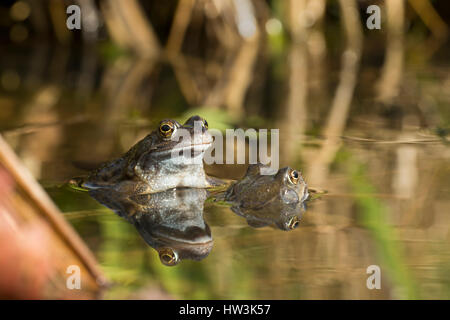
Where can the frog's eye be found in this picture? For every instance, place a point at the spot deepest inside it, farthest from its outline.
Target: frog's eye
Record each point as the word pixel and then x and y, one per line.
pixel 168 257
pixel 205 123
pixel 293 223
pixel 294 176
pixel 166 129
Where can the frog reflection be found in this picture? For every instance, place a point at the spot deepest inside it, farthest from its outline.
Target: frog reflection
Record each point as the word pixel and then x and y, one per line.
pixel 269 199
pixel 169 157
pixel 171 222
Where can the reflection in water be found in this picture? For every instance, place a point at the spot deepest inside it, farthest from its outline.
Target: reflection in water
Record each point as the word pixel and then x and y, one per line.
pixel 171 222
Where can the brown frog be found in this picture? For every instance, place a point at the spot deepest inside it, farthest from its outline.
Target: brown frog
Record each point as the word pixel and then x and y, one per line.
pixel 263 200
pixel 169 157
pixel 171 221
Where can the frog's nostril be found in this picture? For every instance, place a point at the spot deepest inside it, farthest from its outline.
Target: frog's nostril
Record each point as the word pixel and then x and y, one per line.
pixel 305 194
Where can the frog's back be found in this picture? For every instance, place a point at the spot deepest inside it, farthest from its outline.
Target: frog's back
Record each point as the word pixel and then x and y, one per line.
pixel 107 174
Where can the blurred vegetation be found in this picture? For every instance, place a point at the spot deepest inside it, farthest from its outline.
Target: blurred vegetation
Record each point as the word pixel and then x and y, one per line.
pixel 373 215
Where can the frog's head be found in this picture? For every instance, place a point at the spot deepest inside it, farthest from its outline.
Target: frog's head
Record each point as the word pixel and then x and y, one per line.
pixel 255 188
pixel 263 200
pixel 172 155
pixel 172 139
pixel 175 246
pixel 293 188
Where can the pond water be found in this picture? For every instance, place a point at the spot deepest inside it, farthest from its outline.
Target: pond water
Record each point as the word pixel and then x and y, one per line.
pixel 382 170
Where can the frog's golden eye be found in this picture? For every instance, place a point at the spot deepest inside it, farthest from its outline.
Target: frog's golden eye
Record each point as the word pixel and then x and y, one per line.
pixel 166 129
pixel 294 176
pixel 168 257
pixel 205 123
pixel 293 223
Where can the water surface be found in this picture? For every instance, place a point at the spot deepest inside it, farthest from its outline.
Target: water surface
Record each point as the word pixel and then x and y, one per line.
pixel 384 170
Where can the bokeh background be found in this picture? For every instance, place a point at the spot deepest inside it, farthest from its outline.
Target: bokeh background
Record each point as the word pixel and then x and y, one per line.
pixel 364 114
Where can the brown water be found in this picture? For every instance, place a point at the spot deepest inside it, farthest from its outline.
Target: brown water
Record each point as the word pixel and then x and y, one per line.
pixel 384 167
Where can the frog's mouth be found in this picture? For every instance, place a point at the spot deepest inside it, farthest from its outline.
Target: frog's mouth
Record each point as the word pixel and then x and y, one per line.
pixel 179 242
pixel 305 194
pixel 195 248
pixel 192 150
pixel 191 235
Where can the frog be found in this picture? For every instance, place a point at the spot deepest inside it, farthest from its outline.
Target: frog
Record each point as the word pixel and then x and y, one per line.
pixel 170 156
pixel 263 200
pixel 171 221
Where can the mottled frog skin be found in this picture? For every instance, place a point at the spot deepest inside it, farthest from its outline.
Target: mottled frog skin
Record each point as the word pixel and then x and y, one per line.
pixel 169 157
pixel 269 199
